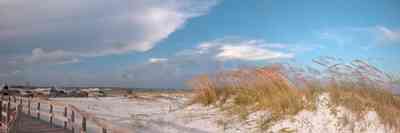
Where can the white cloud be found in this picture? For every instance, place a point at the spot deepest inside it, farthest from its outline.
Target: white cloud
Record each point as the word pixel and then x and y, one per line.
pixel 364 37
pixel 39 56
pixel 249 52
pixel 241 49
pixel 157 60
pixel 389 34
pixel 94 27
pixel 38 32
pixel 70 61
pixel 277 45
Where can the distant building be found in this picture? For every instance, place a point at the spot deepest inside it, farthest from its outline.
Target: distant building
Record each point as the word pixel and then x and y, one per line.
pixel 41 91
pixel 94 92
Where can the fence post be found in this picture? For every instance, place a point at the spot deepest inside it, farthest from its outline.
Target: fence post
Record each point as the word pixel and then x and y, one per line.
pixel 1 110
pixel 38 110
pixel 66 116
pixel 17 116
pixel 15 99
pixel 29 106
pixel 20 100
pixel 72 120
pixel 8 112
pixel 84 124
pixel 51 115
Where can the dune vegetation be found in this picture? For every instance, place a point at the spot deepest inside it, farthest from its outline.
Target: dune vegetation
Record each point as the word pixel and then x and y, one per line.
pixel 285 91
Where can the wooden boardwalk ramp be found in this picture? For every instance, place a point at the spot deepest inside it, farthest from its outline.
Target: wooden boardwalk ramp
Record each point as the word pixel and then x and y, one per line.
pixel 28 124
pixel 27 115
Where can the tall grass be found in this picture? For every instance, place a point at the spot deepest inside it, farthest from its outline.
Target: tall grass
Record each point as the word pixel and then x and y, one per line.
pixel 365 88
pixel 248 90
pixel 357 86
pixel 361 100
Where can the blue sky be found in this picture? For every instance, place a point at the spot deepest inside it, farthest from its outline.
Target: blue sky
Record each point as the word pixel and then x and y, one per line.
pixel 163 43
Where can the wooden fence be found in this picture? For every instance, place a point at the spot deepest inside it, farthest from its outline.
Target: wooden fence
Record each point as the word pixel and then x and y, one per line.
pixel 9 115
pixel 56 114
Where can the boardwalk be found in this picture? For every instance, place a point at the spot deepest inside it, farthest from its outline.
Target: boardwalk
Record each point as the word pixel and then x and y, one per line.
pixel 19 114
pixel 27 124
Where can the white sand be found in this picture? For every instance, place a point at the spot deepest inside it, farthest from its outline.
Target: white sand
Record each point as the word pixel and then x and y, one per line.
pixel 149 114
pixel 168 114
pixel 325 120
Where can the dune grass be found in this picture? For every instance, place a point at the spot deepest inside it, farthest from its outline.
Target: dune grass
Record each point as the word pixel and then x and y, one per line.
pixel 244 91
pixel 367 98
pixel 269 89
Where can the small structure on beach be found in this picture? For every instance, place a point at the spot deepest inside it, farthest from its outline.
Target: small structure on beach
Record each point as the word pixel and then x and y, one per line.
pixel 4 89
pixel 94 92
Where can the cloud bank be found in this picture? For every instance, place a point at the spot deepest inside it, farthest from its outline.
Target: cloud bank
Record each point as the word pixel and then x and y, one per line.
pixel 64 30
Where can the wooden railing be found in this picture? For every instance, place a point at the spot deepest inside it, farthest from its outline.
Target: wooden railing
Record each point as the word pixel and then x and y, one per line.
pixel 68 116
pixel 9 115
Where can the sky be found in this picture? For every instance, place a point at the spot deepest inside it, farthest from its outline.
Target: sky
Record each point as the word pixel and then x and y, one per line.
pixel 164 43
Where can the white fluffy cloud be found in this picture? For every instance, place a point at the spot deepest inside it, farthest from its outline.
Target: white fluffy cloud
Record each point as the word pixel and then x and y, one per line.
pixel 74 28
pixel 249 52
pixel 39 56
pixel 241 49
pixel 157 60
pixel 36 33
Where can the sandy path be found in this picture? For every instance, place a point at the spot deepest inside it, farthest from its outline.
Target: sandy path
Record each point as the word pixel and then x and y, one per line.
pixel 155 114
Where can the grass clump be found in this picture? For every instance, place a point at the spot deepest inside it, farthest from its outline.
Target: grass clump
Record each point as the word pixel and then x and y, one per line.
pixel 362 99
pixel 361 87
pixel 249 90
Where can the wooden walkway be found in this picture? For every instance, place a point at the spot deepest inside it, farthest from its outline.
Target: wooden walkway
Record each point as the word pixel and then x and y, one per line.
pixel 19 115
pixel 28 124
